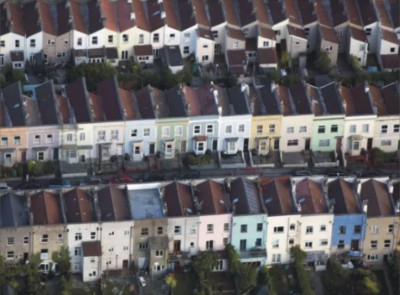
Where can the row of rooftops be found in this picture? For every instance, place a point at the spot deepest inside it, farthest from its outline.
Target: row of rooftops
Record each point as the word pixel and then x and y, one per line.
pixel 75 104
pixel 89 16
pixel 240 196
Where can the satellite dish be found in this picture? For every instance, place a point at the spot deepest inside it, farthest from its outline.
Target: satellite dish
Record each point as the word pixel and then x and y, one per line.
pixel 235 200
pixel 266 201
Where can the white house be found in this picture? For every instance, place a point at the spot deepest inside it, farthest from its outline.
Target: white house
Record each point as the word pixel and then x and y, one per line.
pixel 296 42
pixel 205 46
pixel 358 45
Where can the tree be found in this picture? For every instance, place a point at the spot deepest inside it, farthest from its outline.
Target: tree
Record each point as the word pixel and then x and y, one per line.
pixel 394 266
pixel 354 63
pixel 205 263
pixel 361 281
pixel 63 260
pixel 334 278
pixel 302 275
pixel 234 260
pixel 66 285
pixel 284 62
pixel 247 277
pixel 170 280
pixel 323 63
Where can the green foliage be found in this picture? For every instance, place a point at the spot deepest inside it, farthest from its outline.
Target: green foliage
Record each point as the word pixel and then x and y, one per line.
pixel 10 76
pixel 302 275
pixel 354 63
pixel 66 286
pixel 284 61
pixel 205 263
pixel 63 260
pixel 200 160
pixel 38 168
pixel 275 278
pixel 322 63
pixel 247 277
pixel 380 157
pixel 394 266
pixel 233 259
pixel 93 72
pixel 170 280
pixel 333 278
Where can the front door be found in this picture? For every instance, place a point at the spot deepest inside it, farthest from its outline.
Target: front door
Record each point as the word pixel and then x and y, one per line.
pixel 307 144
pixel 354 245
pixel 177 247
pixel 215 145
pixel 125 263
pixel 246 144
pixel 276 144
pixel 369 144
pixel 152 149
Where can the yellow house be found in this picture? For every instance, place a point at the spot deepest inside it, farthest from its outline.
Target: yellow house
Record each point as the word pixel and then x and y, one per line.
pixel 266 120
pixel 13 145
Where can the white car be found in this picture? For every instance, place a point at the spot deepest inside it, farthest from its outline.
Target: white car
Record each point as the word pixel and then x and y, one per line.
pixel 4 187
pixel 142 281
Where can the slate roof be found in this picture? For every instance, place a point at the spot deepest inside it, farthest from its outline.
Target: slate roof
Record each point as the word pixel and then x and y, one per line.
pixel 277 196
pixel 269 104
pixel 175 102
pixel 306 10
pixel 145 103
pixel 245 192
pixel 239 99
pixel 394 12
pixel 367 11
pixel 214 10
pixel 310 196
pixel 361 101
pixel 344 195
pixel 4 23
pixel 45 96
pixel 245 12
pixel 200 101
pixel 178 198
pixel 46 208
pixel 78 205
pixel 110 99
pixel 91 249
pixel 353 14
pixel 300 100
pixel 377 195
pixel 13 211
pixel 30 19
pixel 78 98
pixel 113 204
pixel 276 11
pixel 173 56
pixel 391 98
pixel 331 99
pixel 211 196
pixel 339 15
pixel 12 97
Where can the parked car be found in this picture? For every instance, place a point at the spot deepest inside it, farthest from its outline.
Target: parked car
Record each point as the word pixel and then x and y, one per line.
pixel 124 178
pixel 336 172
pixel 4 187
pixel 94 180
pixel 369 173
pixel 302 173
pixel 28 185
pixel 59 183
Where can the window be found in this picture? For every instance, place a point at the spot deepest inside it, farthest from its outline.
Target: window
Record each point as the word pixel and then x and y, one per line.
pixel 2 43
pixel 374 244
pixel 235 44
pixel 186 50
pixel 145 231
pixel 342 230
pixel 309 230
pixel 94 40
pixel 324 242
pixel 59 238
pixel 40 156
pixel 292 227
pixel 321 129
pixel 334 128
pixel 51 42
pixel 390 228
pixel 278 229
pixel 243 245
pixel 210 128
pixel 259 129
pixel 323 142
pixel 241 128
pixel 156 38
pixel 78 251
pixel 291 241
pixel 259 227
pixel 323 228
pixel 93 235
pixel 258 242
pixel 79 41
pixel 292 142
pixel 4 141
pixel 375 229
pixel 10 241
pixel 396 128
pixel 372 257
pixel 178 130
pixel 177 230
pixel 26 240
pixel 303 129
pixel 365 128
pixel 225 241
pixel 210 245
pixel 78 236
pixel 340 244
pixel 204 58
pixel 226 226
pixel 353 129
pixel 384 128
pixel 17 43
pixel 36 139
pixel 17 140
pixel 308 245
pixel 356 145
pixel 69 137
pixel 134 132
pixel 32 43
pixel 290 130
pixel 275 244
pixel 114 134
pixel 271 128
pixel 146 132
pixel 386 243
pixel 166 132
pixel 141 39
pixel 186 37
pixel 357 229
pixel 143 246
pixel 228 129
pixel 392 49
pixel 101 135
pixel 49 138
pixel 277 33
pixel 196 129
pixel 266 44
pixel 243 228
pixel 386 142
pixel 159 253
pixel 10 254
pixel 45 238
pixel 210 228
pixel 276 258
pixel 125 38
